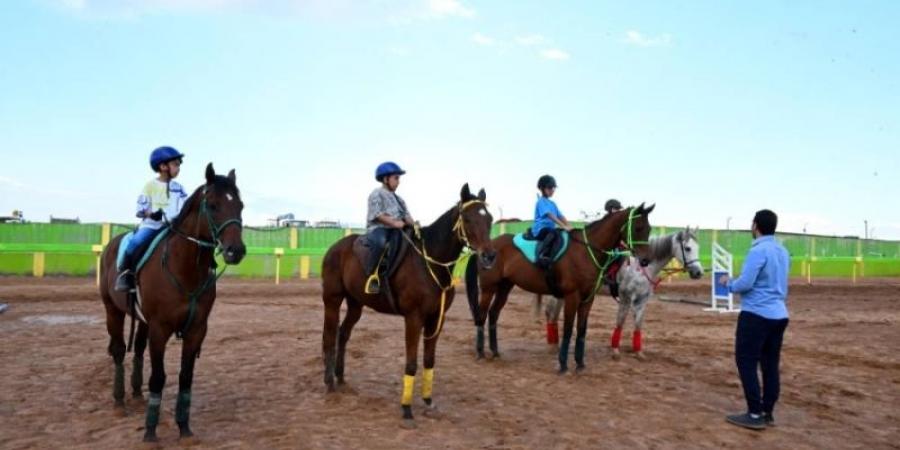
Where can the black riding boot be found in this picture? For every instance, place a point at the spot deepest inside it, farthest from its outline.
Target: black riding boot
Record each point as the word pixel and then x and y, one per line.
pixel 373 285
pixel 125 279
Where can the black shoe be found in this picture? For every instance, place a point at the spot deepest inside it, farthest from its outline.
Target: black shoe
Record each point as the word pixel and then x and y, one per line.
pixel 125 281
pixel 747 421
pixel 769 419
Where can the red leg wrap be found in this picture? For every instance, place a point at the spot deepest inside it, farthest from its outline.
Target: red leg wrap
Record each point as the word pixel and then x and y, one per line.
pixel 636 341
pixel 616 337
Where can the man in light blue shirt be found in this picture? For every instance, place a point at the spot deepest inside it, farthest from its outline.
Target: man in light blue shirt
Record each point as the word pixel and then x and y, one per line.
pixel 763 286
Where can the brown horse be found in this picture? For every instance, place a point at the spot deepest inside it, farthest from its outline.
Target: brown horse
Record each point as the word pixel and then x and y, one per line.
pixel 422 287
pixel 578 274
pixel 176 288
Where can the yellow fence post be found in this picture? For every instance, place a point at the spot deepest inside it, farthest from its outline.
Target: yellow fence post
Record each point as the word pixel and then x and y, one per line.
pixel 503 228
pixel 97 249
pixel 348 232
pixel 104 234
pixel 37 264
pixel 715 236
pixel 293 243
pixel 279 252
pixel 809 270
pixel 304 267
pixel 854 273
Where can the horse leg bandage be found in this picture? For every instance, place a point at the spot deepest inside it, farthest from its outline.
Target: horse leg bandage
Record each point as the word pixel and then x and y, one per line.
pixel 427 383
pixel 409 381
pixel 616 337
pixel 552 333
pixel 636 341
pixel 153 404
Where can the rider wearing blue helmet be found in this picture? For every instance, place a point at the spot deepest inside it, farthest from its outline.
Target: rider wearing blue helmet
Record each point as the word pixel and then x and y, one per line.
pixel 387 212
pixel 160 196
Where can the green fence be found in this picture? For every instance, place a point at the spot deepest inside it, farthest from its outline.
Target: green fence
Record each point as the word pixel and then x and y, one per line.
pixel 69 249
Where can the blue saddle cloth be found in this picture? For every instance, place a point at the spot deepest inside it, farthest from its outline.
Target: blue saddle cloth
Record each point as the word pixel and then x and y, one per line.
pixel 120 256
pixel 529 247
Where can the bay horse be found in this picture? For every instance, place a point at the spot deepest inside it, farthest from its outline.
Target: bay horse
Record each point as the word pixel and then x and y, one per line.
pixel 176 288
pixel 422 287
pixel 637 283
pixel 579 274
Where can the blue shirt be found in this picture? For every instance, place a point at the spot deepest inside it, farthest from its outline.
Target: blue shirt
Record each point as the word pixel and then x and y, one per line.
pixel 543 207
pixel 763 283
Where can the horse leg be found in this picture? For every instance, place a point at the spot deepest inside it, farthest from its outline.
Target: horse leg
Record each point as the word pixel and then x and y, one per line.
pixel 115 325
pixel 494 315
pixel 621 314
pixel 157 340
pixel 554 307
pixel 584 310
pixel 536 306
pixel 428 360
pixel 354 311
pixel 329 336
pixel 413 334
pixel 639 309
pixel 487 294
pixel 190 350
pixel 137 367
pixel 569 320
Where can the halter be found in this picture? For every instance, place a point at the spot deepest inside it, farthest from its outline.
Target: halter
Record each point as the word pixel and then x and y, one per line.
pixel 460 230
pixel 215 230
pixel 611 255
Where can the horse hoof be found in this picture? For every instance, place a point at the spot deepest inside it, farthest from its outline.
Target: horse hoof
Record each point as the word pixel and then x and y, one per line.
pixel 479 355
pixel 563 371
pixel 408 424
pixel 150 437
pixel 580 368
pixel 137 395
pixel 616 355
pixel 119 403
pixel 640 356
pixel 495 356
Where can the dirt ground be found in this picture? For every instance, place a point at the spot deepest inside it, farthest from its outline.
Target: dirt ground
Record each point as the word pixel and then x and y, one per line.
pixel 259 382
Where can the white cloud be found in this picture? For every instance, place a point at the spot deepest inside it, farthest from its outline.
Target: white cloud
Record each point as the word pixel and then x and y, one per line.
pixel 554 54
pixel 530 39
pixel 637 38
pixel 449 8
pixel 481 39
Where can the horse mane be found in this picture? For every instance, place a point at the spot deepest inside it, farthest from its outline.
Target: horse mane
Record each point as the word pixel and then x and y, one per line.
pixel 219 183
pixel 661 247
pixel 444 222
pixel 606 217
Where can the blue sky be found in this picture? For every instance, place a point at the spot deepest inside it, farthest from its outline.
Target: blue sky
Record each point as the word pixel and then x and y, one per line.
pixel 709 109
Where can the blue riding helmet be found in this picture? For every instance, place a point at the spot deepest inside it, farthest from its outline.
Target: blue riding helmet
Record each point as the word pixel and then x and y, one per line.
pixel 163 155
pixel 386 169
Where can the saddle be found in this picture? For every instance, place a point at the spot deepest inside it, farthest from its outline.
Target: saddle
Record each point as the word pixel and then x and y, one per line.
pixel 142 253
pixel 528 244
pixel 393 254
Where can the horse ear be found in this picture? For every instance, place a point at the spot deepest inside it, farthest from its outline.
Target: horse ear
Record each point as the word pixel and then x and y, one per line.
pixel 210 173
pixel 465 194
pixel 640 208
pixel 649 209
pixel 231 176
pixel 482 195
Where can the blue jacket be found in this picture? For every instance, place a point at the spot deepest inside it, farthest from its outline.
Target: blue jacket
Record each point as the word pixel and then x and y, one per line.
pixel 763 283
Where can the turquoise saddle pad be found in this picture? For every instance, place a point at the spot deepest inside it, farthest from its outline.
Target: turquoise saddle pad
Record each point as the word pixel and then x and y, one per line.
pixel 120 256
pixel 529 248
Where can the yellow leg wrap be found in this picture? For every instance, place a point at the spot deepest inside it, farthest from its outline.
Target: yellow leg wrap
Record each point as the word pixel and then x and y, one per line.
pixel 427 383
pixel 409 382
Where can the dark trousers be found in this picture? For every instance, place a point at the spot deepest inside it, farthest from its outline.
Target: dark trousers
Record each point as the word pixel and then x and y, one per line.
pixel 757 344
pixel 547 238
pixel 377 239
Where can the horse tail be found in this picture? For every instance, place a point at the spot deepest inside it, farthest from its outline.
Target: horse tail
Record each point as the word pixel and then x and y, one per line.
pixel 472 285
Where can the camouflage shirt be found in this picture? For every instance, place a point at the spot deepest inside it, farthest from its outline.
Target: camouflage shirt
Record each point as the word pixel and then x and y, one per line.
pixel 383 201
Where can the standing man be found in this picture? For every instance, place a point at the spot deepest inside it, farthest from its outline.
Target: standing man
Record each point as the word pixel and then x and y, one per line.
pixel 763 286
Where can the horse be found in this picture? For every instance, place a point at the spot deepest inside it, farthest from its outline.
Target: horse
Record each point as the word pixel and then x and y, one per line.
pixel 422 290
pixel 578 275
pixel 637 283
pixel 176 289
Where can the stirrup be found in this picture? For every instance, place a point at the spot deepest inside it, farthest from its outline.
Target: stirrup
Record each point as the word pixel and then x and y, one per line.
pixel 373 279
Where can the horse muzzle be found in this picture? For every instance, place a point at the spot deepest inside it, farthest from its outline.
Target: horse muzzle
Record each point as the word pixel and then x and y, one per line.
pixel 487 258
pixel 233 254
pixel 695 272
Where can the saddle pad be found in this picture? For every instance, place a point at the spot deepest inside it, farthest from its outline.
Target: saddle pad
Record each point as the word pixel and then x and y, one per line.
pixel 123 244
pixel 529 248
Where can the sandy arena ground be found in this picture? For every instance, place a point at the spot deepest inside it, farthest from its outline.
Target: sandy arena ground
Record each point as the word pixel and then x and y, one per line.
pixel 258 383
